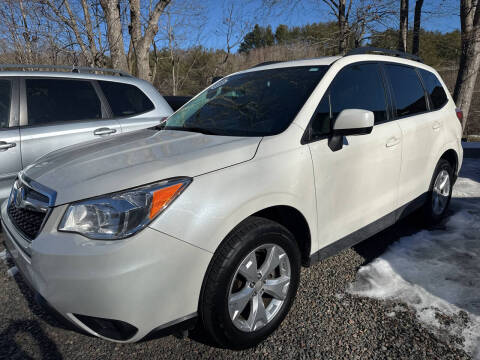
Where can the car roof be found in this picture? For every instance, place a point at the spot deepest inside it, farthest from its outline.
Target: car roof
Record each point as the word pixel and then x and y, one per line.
pixel 72 75
pixel 322 61
pixel 348 59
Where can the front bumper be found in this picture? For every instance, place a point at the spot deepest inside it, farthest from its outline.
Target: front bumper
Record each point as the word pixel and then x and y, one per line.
pixel 149 281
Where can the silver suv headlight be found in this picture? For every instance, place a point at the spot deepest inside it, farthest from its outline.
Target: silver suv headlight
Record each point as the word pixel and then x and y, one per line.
pixel 119 215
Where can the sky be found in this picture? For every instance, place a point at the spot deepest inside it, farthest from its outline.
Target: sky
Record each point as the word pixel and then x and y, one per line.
pixel 441 15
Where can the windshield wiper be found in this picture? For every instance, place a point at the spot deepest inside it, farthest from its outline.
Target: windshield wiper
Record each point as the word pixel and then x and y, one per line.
pixel 191 129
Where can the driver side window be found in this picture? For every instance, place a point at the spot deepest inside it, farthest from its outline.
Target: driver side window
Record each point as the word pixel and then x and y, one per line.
pixel 357 86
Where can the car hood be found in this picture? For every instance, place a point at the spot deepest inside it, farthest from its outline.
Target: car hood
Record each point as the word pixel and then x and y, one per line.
pixel 121 162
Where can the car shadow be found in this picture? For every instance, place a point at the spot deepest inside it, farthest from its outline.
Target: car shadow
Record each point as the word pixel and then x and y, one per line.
pixel 40 308
pixel 11 349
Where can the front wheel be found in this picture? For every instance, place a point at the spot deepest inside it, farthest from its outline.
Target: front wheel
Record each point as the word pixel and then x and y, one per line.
pixel 440 192
pixel 251 283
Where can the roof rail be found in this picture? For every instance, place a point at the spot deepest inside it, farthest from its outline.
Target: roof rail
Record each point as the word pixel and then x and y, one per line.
pixel 74 69
pixel 380 51
pixel 266 63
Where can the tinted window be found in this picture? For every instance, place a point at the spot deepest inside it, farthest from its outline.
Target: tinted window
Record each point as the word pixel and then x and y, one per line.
pixel 434 89
pixel 5 96
pixel 359 86
pixel 125 99
pixel 321 121
pixel 257 103
pixel 51 100
pixel 408 92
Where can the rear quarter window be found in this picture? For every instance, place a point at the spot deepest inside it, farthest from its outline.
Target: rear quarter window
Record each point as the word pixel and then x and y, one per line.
pixel 434 88
pixel 125 99
pixel 407 89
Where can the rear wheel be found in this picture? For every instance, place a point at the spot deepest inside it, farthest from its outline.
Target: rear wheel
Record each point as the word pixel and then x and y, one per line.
pixel 251 283
pixel 440 192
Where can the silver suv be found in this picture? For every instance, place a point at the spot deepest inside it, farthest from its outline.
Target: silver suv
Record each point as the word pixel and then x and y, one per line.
pixel 41 111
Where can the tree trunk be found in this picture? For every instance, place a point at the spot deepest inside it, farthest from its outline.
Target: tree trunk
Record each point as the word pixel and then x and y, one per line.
pixel 90 36
pixel 470 57
pixel 342 23
pixel 26 35
pixel 111 9
pixel 141 43
pixel 416 27
pixel 402 36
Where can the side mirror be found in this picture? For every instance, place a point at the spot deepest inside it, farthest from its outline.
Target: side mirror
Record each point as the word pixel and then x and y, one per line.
pixel 350 122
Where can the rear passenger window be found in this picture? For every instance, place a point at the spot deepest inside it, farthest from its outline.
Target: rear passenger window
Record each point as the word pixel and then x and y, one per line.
pixel 52 100
pixel 434 89
pixel 5 98
pixel 408 91
pixel 125 99
pixel 359 86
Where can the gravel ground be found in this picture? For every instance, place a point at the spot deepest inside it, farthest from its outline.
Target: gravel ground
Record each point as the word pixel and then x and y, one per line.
pixel 325 322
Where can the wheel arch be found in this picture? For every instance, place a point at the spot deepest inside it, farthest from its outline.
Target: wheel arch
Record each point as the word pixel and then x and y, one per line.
pixel 452 157
pixel 295 222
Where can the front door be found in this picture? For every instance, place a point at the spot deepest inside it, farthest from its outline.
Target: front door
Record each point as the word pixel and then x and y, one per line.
pixel 357 185
pixel 10 155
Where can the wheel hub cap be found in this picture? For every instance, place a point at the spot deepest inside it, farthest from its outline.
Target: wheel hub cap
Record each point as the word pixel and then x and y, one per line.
pixel 441 192
pixel 259 287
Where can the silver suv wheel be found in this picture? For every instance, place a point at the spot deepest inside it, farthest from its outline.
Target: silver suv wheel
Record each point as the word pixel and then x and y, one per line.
pixel 259 287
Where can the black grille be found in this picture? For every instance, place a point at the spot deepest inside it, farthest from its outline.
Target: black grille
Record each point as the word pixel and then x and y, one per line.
pixel 27 221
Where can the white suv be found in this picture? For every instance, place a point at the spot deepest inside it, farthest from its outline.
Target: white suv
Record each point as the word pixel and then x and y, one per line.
pixel 210 215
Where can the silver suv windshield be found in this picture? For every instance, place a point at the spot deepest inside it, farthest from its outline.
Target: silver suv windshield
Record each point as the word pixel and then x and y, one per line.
pixel 257 103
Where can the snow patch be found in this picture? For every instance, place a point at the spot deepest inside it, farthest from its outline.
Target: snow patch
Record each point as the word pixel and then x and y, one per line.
pixel 437 272
pixel 4 255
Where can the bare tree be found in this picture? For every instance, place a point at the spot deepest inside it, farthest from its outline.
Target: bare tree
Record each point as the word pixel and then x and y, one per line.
pixel 111 9
pixel 402 36
pixel 341 12
pixel 416 27
pixel 234 26
pixel 470 57
pixel 356 18
pixel 182 21
pixel 142 42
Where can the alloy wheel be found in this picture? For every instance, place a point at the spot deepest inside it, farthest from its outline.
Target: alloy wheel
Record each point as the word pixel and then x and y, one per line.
pixel 259 287
pixel 441 192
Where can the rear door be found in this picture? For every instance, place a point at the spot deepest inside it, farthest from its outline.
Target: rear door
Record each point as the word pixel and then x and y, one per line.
pixel 421 131
pixel 10 155
pixel 130 106
pixel 58 112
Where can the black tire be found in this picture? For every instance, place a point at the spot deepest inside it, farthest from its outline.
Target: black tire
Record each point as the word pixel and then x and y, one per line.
pixel 431 217
pixel 213 306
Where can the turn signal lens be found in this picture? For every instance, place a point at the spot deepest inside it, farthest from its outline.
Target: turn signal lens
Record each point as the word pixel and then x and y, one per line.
pixel 162 197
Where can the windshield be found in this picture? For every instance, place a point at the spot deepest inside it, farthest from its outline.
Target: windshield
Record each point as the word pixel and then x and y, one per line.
pixel 257 103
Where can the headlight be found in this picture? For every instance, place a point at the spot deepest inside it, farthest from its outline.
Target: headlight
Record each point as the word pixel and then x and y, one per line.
pixel 119 215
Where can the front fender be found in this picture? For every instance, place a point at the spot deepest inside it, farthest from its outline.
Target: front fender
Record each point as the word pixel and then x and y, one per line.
pixel 215 203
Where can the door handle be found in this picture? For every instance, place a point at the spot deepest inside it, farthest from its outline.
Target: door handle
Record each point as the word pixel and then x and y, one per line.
pixel 436 125
pixel 4 146
pixel 104 131
pixel 392 142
